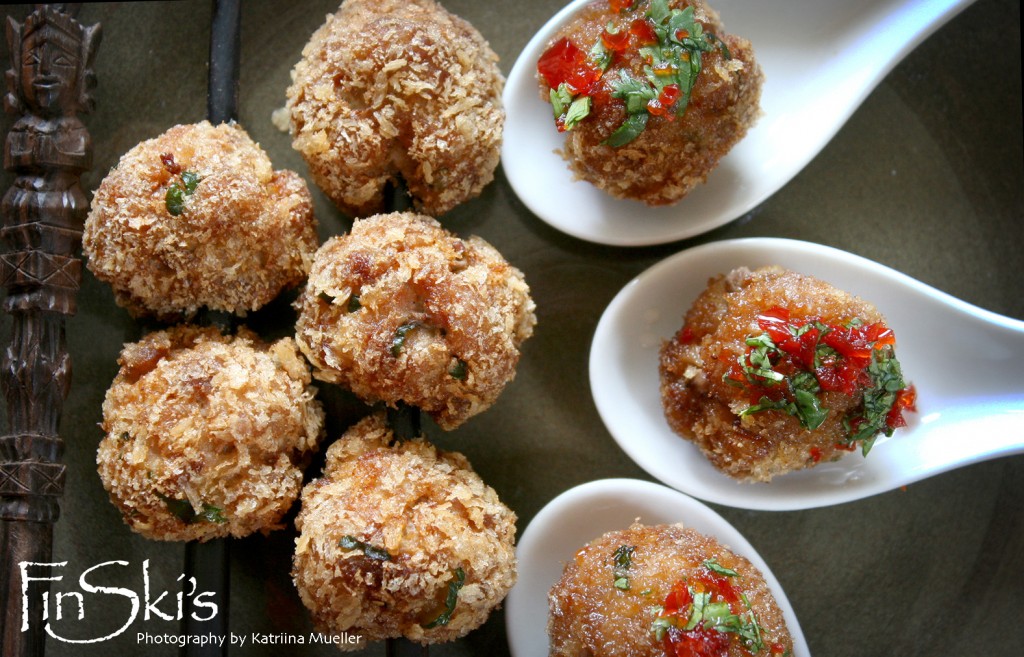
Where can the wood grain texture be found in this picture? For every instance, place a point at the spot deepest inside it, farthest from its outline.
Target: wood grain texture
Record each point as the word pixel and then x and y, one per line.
pixel 48 148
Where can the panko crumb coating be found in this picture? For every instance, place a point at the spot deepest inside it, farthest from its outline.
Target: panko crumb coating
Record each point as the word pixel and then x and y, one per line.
pixel 244 234
pixel 390 89
pixel 604 606
pixel 703 406
pixel 207 434
pixel 674 154
pixel 401 310
pixel 385 533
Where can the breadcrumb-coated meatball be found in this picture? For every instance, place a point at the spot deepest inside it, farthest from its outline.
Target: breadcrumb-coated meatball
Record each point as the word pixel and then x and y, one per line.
pixel 397 88
pixel 617 596
pixel 198 217
pixel 401 310
pixel 672 154
pixel 401 540
pixel 207 434
pixel 775 371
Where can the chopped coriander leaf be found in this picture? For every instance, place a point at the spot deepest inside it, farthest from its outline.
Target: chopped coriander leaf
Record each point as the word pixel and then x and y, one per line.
pixel 658 11
pixel 373 552
pixel 628 131
pixel 353 303
pixel 600 56
pixel 561 98
pixel 578 110
pixel 454 586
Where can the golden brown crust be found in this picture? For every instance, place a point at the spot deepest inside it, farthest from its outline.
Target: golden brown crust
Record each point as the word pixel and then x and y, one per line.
pixel 401 310
pixel 246 233
pixel 197 418
pixel 590 617
pixel 389 89
pixel 703 408
pixel 670 157
pixel 432 515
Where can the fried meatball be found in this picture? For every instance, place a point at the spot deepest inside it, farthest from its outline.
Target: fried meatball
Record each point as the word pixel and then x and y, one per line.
pixel 401 310
pixel 401 540
pixel 197 217
pixel 645 138
pixel 207 434
pixel 390 89
pixel 775 371
pixel 629 594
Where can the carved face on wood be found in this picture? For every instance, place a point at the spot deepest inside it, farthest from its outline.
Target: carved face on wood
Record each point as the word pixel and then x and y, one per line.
pixel 50 74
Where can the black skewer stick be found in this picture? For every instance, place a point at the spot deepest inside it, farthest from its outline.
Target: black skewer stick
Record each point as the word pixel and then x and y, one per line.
pixel 207 564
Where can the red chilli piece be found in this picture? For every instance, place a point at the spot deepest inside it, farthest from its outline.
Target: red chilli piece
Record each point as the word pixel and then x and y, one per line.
pixel 618 6
pixel 662 105
pixel 565 62
pixel 615 41
pixel 642 29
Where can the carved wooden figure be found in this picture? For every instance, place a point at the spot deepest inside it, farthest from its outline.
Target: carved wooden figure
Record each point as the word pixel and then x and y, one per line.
pixel 48 148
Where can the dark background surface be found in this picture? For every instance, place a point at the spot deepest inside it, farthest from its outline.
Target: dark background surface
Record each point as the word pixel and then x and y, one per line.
pixel 927 177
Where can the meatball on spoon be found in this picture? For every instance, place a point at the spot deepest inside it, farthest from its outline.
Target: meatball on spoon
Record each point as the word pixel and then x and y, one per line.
pixel 964 362
pixel 581 514
pixel 820 61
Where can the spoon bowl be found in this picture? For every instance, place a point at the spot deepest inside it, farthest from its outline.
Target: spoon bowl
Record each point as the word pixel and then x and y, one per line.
pixel 584 513
pixel 820 58
pixel 964 362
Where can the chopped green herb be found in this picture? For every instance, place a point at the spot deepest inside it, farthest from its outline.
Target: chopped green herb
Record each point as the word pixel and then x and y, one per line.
pixel 184 511
pixel 886 384
pixel 353 303
pixel 398 341
pixel 561 98
pixel 623 561
pixel 373 552
pixel 458 370
pixel 715 567
pixel 711 615
pixel 191 180
pixel 454 586
pixel 174 199
pixel 578 110
pixel 600 56
pixel 661 625
pixel 326 298
pixel 628 131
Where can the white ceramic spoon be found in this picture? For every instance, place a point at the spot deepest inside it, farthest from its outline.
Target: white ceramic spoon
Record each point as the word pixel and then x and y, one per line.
pixel 580 515
pixel 964 361
pixel 821 58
